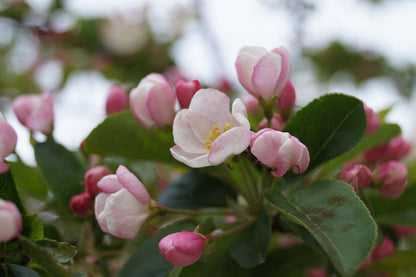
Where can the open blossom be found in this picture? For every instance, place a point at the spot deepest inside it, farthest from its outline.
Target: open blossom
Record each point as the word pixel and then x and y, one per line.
pixel 263 73
pixel 122 207
pixel 153 101
pixel 11 220
pixel 357 175
pixel 182 248
pixel 280 151
pixel 207 133
pixel 392 178
pixel 8 140
pixel 117 100
pixel 35 111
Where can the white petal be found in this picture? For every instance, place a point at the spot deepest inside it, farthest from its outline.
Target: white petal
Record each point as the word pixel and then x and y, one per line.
pixel 183 134
pixel 239 112
pixel 190 159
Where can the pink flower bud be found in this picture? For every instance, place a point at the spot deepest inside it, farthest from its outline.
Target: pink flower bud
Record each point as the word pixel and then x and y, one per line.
pixel 116 100
pixel 8 140
pixel 357 175
pixel 383 250
pixel 392 177
pixel 404 231
pixel 316 272
pixel 396 149
pixel 153 101
pixel 280 151
pixel 122 207
pixel 262 73
pixel 276 124
pixel 35 112
pixel 287 98
pixel 182 248
pixel 251 103
pixel 11 220
pixel 92 177
pixel 185 91
pixel 367 263
pixel 224 84
pixel 373 121
pixel 80 204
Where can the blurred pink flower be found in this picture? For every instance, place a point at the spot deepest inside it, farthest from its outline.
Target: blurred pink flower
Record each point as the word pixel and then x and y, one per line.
pixel 116 100
pixel 11 220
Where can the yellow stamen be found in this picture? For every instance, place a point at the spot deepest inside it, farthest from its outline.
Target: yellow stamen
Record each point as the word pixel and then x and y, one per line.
pixel 214 134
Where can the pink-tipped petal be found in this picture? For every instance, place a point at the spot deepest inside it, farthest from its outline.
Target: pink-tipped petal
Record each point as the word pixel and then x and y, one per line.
pixel 8 139
pixel 117 100
pixel 287 98
pixel 229 143
pixel 265 75
pixel 138 103
pixel 160 102
pixel 239 112
pixel 190 159
pixel 183 134
pixel 285 70
pixel 263 146
pixel 129 181
pixel 109 184
pixel 100 201
pixel 212 104
pixel 124 214
pixel 11 220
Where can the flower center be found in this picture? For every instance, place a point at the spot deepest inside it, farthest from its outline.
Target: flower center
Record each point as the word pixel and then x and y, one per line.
pixel 215 133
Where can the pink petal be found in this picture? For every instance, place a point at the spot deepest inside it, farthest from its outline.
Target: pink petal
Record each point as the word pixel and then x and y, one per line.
pixel 190 159
pixel 232 142
pixel 116 100
pixel 4 167
pixel 109 184
pixel 239 112
pixel 129 181
pixel 11 220
pixel 285 69
pixel 265 145
pixel 124 214
pixel 287 156
pixel 100 201
pixel 183 134
pixel 42 115
pixel 265 75
pixel 8 139
pixel 212 104
pixel 138 103
pixel 160 102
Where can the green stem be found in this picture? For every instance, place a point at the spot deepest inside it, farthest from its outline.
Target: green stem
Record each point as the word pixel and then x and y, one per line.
pixel 233 230
pixel 237 187
pixel 163 209
pixel 250 182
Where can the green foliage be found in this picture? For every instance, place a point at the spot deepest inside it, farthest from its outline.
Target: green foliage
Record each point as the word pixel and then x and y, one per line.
pixel 29 179
pixel 62 170
pixel 250 246
pixel 32 227
pixel 400 264
pixel 401 211
pixel 147 260
pixel 8 191
pixel 14 270
pixel 335 216
pixel 122 135
pixel 329 126
pixel 62 252
pixel 196 190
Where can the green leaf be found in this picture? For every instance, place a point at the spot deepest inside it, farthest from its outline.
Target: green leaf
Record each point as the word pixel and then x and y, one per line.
pixel 383 135
pixel 400 264
pixel 176 272
pixel 8 190
pixel 42 257
pixel 14 270
pixel 62 252
pixel 32 227
pixel 28 179
pixel 335 216
pixel 292 261
pixel 61 169
pixel 329 126
pixel 401 211
pixel 196 190
pixel 122 135
pixel 249 249
pixel 147 260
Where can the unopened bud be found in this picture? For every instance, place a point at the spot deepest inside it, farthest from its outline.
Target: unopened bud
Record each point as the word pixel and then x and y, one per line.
pixel 11 220
pixel 185 91
pixel 357 175
pixel 80 204
pixel 392 179
pixel 116 100
pixel 92 177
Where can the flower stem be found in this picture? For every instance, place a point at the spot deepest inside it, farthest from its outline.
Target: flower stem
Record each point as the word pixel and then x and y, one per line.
pixel 233 230
pixel 164 209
